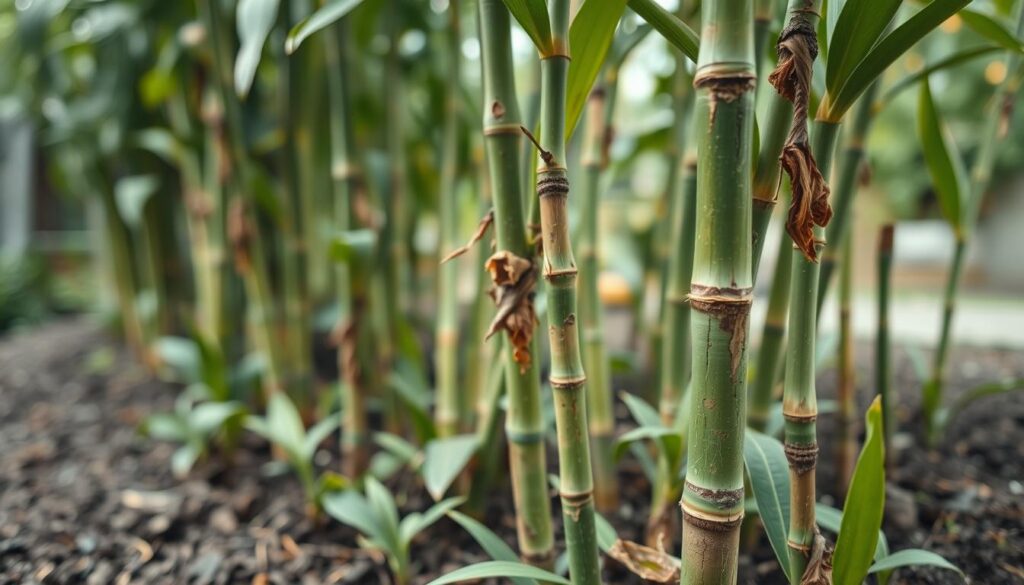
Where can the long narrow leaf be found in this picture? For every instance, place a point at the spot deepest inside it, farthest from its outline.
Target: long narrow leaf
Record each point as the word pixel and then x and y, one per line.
pixel 884 53
pixel 912 557
pixel 674 30
pixel 590 36
pixel 768 469
pixel 865 505
pixel 503 569
pixel 991 29
pixel 492 544
pixel 532 15
pixel 319 20
pixel 949 177
pixel 254 19
pixel 857 29
pixel 443 460
pixel 949 62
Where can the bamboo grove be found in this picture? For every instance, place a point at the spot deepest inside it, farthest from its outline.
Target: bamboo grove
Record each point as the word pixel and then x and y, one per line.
pixel 348 225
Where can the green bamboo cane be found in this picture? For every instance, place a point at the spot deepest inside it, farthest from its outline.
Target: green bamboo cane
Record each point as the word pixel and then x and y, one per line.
pixel 452 410
pixel 773 339
pixel 347 178
pixel 567 376
pixel 249 252
pixel 800 406
pixel 764 16
pixel 990 138
pixel 124 279
pixel 295 246
pixel 524 424
pixel 720 295
pixel 599 399
pixel 846 440
pixel 845 185
pixel 676 358
pixel 883 351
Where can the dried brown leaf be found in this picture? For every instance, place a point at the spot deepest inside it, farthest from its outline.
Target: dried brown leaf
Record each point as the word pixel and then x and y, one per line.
pixel 651 565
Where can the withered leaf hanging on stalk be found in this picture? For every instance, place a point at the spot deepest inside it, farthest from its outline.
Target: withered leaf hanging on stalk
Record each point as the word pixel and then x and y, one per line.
pixel 514 279
pixel 797 48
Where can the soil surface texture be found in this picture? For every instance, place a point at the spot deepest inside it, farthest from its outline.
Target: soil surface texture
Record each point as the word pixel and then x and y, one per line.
pixel 85 498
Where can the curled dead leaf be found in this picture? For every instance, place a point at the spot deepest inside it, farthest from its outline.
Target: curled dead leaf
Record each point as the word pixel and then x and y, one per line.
pixel 819 566
pixel 651 565
pixel 478 235
pixel 514 280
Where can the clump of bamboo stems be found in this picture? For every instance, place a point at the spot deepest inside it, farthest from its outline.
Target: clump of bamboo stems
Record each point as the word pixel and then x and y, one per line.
pixel 524 423
pixel 720 294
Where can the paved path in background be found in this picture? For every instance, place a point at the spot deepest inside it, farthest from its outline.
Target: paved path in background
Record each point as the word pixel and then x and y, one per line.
pixel 978 321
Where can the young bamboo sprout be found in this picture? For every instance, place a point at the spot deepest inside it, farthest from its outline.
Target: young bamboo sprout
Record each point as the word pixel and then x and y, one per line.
pixel 452 410
pixel 720 295
pixel 883 357
pixel 524 422
pixel 567 378
pixel 599 400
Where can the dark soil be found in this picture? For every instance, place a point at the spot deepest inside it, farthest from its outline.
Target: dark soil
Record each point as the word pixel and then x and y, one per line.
pixel 85 499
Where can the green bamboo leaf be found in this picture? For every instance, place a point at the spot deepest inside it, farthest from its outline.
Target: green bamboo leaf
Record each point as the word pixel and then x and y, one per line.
pixel 397 446
pixel 831 519
pixel 209 416
pixel 443 460
pixel 351 508
pixel 884 53
pixel 661 433
pixel 532 15
pixel 674 30
pixel 284 420
pixel 317 434
pixel 132 194
pixel 182 356
pixel 606 535
pixel 912 557
pixel 386 512
pixel 492 544
pixel 415 523
pixel 254 20
pixel 946 167
pixel 590 36
pixel 858 532
pixel 324 17
pixel 503 569
pixel 768 469
pixel 644 414
pixel 857 28
pixel 949 62
pixel 624 43
pixel 991 29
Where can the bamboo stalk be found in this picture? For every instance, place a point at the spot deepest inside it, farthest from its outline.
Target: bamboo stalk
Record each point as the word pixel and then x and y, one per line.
pixel 676 358
pixel 845 184
pixel 452 410
pixel 991 136
pixel 883 352
pixel 720 295
pixel 800 403
pixel 347 184
pixel 524 423
pixel 250 258
pixel 567 377
pixel 773 340
pixel 599 398
pixel 846 440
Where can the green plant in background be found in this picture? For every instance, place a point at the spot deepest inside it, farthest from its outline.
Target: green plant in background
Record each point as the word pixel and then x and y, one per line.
pixel 375 515
pixel 194 425
pixel 283 427
pixel 960 197
pixel 883 350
